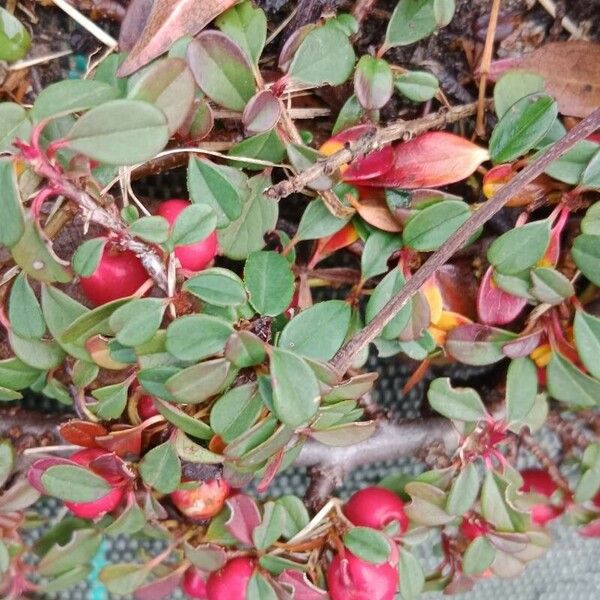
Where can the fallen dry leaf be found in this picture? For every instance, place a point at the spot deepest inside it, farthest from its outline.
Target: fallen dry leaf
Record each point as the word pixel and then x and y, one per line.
pixel 373 208
pixel 133 23
pixel 571 71
pixel 170 20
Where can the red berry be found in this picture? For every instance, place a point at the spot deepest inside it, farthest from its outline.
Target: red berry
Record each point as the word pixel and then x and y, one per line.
pixel 539 482
pixel 473 529
pixel 193 257
pixel 146 407
pixel 119 274
pixel 376 507
pixel 351 578
pixel 194 584
pixel 231 580
pixel 203 501
pixel 96 508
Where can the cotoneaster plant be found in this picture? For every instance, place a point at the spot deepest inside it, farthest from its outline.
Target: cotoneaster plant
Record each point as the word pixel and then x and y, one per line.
pixel 337 204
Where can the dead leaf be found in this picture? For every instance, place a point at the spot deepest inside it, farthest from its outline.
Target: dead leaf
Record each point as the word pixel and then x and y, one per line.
pixel 170 20
pixel 374 210
pixel 571 71
pixel 133 23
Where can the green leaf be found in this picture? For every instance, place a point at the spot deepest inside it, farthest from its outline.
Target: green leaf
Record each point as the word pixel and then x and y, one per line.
pixel 269 281
pixel 296 515
pixel 7 460
pixel 138 320
pixel 246 25
pixel 478 557
pixel 319 331
pixel 462 404
pixel 590 179
pixel 189 451
pixel 523 125
pixel 569 385
pixel 217 186
pixel 265 146
pixel 411 21
pixel 429 228
pixel 195 223
pixel 276 564
pixel 123 579
pixel 296 391
pixel 520 248
pixel 39 354
pixel 14 38
pixel 207 557
pixel 443 11
pixel 69 96
pixel 169 85
pixel 236 411
pixel 350 114
pixel 259 588
pixel 190 425
pixel 160 468
pixel 217 286
pixel 418 86
pixel 112 400
pixel 259 215
pixel 86 259
pixel 494 506
pixel 587 341
pixel 464 491
pixel 195 337
pixel 107 72
pixel 221 69
pixel 12 225
pixel 586 254
pixel 369 544
pixel 17 375
pixel 4 558
pixel 513 86
pixel 199 382
pixel 80 549
pixel 318 222
pixel 380 245
pixel 68 579
pixel 152 229
pixel 590 224
pixel 412 578
pixel 120 132
pixel 271 527
pixel 571 166
pixel 521 388
pixel 14 124
pixel 24 311
pixel 373 82
pixel 550 285
pixel 389 286
pixel 74 484
pixel 129 522
pixel 244 349
pixel 325 56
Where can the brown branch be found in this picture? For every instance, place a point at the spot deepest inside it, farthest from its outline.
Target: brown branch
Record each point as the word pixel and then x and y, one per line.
pixel 29 429
pixel 343 359
pixel 389 442
pixel 545 461
pixel 367 143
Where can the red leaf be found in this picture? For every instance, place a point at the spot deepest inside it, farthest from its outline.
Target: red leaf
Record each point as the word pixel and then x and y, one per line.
pixel 123 443
pixel 244 518
pixel 271 470
pixel 592 530
pixel 494 305
pixel 159 588
pixel 303 588
pixel 82 433
pixel 373 165
pixel 262 112
pixel 524 345
pixel 328 245
pixel 458 287
pixel 433 159
pixel 170 20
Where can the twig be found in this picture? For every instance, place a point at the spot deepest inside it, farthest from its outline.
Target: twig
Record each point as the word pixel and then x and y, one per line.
pixel 38 60
pixel 568 24
pixel 484 68
pixel 367 143
pixel 343 359
pixel 98 33
pixel 545 461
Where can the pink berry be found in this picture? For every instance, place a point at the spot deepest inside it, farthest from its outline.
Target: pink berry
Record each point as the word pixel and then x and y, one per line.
pixel 97 508
pixel 119 274
pixel 351 578
pixel 146 407
pixel 204 500
pixel 193 257
pixel 194 584
pixel 376 507
pixel 230 582
pixel 539 482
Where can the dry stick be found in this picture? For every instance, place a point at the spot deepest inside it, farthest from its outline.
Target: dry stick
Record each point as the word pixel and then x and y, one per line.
pixel 545 461
pixel 484 69
pixel 343 359
pixel 568 24
pixel 367 143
